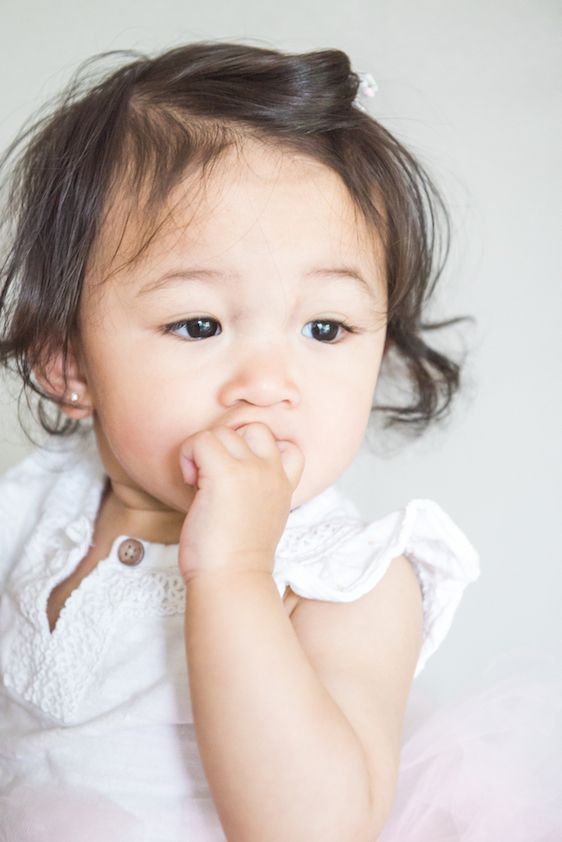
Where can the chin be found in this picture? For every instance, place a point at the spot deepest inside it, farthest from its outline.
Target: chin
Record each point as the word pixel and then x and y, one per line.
pixel 303 495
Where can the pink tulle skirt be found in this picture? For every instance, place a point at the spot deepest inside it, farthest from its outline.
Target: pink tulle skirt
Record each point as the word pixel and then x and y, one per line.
pixel 486 767
pixel 46 813
pixel 483 768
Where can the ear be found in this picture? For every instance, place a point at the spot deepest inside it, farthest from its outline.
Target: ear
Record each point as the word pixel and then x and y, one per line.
pixel 50 376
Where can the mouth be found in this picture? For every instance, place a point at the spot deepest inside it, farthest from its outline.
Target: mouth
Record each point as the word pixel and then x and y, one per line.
pixel 282 443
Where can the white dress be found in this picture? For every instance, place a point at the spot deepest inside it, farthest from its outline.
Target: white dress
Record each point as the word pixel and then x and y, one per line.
pixel 97 741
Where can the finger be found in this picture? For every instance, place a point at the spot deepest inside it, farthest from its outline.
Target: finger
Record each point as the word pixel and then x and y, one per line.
pixel 233 443
pixel 259 439
pixel 293 461
pixel 202 455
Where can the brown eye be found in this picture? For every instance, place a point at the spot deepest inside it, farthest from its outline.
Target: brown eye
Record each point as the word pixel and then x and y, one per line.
pixel 198 328
pixel 326 331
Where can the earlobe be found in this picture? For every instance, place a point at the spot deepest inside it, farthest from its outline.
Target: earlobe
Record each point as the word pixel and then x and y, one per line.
pixel 73 396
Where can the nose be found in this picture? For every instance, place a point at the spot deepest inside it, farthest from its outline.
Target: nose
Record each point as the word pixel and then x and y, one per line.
pixel 261 377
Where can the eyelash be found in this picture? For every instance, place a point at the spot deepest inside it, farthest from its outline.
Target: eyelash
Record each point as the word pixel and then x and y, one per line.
pixel 168 329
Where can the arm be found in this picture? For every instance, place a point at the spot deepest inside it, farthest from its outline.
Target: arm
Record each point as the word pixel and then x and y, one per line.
pixel 282 760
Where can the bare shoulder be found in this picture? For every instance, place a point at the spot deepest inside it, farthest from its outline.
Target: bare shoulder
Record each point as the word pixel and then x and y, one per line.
pixel 365 653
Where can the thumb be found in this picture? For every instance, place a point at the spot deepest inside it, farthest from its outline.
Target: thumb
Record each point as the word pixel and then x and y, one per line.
pixel 293 461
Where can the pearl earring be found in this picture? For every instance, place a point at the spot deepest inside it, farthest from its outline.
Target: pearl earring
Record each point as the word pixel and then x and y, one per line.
pixel 74 396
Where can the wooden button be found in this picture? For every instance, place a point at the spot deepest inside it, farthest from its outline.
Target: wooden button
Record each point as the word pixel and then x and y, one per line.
pixel 130 551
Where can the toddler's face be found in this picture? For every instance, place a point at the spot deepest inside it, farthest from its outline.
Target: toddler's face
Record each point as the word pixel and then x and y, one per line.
pixel 254 336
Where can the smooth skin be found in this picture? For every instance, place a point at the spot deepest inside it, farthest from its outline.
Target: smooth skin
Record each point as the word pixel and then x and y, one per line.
pixel 270 218
pixel 245 484
pixel 298 718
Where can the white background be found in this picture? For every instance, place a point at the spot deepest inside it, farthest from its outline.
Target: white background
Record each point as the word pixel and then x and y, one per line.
pixel 470 87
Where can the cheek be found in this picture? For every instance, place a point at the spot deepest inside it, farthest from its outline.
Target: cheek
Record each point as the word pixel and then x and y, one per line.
pixel 344 401
pixel 338 421
pixel 137 390
pixel 339 435
pixel 144 453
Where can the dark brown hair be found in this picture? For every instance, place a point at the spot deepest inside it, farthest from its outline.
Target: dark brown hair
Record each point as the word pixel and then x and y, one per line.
pixel 150 121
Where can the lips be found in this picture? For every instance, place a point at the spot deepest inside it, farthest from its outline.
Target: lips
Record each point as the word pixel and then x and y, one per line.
pixel 278 438
pixel 245 424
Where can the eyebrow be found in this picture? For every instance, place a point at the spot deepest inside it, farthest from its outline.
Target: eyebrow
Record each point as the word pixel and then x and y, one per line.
pixel 349 273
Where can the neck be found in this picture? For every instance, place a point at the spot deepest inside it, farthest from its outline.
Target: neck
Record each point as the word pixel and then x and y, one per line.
pixel 121 513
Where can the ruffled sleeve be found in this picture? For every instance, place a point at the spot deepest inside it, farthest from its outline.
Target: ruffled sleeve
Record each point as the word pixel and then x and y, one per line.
pixel 355 556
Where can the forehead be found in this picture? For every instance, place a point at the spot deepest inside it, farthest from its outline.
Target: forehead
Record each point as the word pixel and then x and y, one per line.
pixel 257 202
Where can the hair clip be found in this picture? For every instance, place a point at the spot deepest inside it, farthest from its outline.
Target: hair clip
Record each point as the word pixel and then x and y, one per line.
pixel 367 87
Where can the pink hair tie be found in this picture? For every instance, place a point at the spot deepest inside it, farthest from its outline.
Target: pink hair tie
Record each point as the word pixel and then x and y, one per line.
pixel 367 87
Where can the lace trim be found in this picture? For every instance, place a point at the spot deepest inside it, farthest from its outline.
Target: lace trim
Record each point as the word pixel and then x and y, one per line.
pixel 306 545
pixel 53 671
